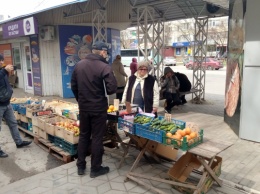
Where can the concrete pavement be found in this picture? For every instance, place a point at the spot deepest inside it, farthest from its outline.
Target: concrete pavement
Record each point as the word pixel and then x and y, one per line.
pixel 240 167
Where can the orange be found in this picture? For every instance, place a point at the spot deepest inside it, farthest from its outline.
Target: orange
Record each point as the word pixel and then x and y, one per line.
pixel 111 107
pixel 181 132
pixel 193 135
pixel 168 134
pixel 187 130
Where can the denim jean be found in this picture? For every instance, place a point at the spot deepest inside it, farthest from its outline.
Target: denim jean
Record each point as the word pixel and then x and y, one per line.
pixel 7 113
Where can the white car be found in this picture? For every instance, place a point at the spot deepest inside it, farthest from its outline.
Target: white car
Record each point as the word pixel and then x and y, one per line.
pixel 171 61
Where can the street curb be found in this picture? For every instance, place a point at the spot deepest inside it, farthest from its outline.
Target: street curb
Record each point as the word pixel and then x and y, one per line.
pixel 239 187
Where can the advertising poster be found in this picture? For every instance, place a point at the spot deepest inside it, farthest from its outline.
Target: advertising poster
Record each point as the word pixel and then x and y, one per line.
pixel 6 51
pixel 115 43
pixel 234 75
pixel 36 65
pixel 75 44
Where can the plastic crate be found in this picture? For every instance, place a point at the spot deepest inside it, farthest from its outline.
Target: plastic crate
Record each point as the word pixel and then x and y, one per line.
pixel 15 106
pixel 149 133
pixel 51 138
pixel 69 147
pixel 184 144
pixel 125 125
pixel 22 109
pixel 30 128
pixel 58 142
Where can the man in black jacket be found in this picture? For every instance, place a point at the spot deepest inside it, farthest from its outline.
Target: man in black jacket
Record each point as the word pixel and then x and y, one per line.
pixel 185 85
pixel 6 110
pixel 91 81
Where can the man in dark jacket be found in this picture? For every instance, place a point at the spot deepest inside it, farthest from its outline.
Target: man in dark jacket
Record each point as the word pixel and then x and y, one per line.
pixel 91 81
pixel 6 110
pixel 185 85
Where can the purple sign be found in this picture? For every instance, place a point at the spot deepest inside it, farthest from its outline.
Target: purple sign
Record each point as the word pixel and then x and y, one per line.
pixel 19 28
pixel 36 65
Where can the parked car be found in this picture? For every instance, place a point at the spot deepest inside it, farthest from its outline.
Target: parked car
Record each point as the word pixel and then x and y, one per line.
pixel 186 60
pixel 171 61
pixel 210 64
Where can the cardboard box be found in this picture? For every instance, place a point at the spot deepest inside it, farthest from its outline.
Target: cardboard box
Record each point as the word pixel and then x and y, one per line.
pixel 42 133
pixel 70 137
pixel 167 152
pixel 23 118
pixel 35 130
pixel 182 169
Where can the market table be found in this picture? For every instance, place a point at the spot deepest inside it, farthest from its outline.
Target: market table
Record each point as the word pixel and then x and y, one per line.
pixel 205 153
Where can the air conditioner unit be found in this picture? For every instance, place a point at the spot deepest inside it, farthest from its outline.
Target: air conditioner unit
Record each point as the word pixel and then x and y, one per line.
pixel 47 33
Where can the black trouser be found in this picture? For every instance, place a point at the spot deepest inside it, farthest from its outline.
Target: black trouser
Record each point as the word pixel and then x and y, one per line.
pixel 92 125
pixel 119 93
pixel 172 99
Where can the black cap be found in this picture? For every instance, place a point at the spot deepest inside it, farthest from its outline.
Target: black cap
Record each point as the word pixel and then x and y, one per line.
pixel 100 45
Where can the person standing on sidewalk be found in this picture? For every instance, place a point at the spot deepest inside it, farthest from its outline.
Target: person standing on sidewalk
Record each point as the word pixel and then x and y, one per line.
pixel 6 110
pixel 120 75
pixel 91 80
pixel 142 89
pixel 133 66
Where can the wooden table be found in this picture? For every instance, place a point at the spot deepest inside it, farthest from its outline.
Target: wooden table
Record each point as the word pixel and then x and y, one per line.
pixel 205 153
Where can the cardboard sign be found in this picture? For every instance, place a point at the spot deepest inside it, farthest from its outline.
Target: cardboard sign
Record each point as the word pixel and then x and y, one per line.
pixel 116 104
pixel 168 117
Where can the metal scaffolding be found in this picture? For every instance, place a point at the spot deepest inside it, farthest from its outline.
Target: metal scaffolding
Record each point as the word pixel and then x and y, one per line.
pixel 199 54
pixel 99 25
pixel 150 34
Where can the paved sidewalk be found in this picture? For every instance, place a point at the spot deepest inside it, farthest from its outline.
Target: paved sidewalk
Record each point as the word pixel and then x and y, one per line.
pixel 240 167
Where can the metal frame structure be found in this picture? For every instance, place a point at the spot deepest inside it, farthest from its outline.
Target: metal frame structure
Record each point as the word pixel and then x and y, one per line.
pixel 151 32
pixel 199 54
pixel 99 24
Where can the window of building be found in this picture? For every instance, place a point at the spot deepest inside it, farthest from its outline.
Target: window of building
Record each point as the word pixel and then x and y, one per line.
pixel 178 51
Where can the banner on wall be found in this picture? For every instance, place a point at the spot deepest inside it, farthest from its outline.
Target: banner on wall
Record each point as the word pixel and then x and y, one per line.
pixel 234 72
pixel 36 65
pixel 115 44
pixel 75 44
pixel 27 26
pixel 6 51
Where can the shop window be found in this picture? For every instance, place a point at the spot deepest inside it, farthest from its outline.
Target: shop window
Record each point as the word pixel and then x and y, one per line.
pixel 178 51
pixel 17 58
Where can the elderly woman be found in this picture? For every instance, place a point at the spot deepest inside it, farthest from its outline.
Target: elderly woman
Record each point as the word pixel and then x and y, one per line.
pixel 120 75
pixel 142 89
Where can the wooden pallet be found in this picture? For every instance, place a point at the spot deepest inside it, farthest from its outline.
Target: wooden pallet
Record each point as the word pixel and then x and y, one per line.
pixel 26 131
pixel 52 149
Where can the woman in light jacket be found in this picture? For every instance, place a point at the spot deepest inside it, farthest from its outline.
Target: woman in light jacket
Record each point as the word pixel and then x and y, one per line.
pixel 120 75
pixel 142 89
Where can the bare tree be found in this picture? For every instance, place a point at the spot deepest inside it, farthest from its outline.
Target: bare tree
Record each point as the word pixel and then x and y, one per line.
pixel 125 39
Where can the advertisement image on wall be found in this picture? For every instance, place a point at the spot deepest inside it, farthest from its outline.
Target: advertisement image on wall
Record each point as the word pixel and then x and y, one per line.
pixel 36 65
pixel 6 51
pixel 75 44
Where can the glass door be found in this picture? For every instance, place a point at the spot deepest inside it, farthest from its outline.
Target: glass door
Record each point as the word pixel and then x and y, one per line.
pixel 27 68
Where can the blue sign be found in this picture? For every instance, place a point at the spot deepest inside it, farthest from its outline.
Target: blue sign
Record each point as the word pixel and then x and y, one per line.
pixel 181 44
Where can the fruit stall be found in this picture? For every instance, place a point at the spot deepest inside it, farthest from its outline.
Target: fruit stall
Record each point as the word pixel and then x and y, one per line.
pixel 201 154
pixel 54 125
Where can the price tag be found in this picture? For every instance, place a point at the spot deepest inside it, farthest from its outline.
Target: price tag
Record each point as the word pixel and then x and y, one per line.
pixel 168 117
pixel 116 104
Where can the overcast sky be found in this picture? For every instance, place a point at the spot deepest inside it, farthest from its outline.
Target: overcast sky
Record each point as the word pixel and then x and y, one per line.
pixel 15 8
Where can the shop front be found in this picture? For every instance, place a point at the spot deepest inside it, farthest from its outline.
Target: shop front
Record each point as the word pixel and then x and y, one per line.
pixel 16 48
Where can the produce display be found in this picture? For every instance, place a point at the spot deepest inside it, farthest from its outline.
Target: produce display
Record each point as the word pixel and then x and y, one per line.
pixel 142 119
pixel 73 127
pixel 111 108
pixel 164 125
